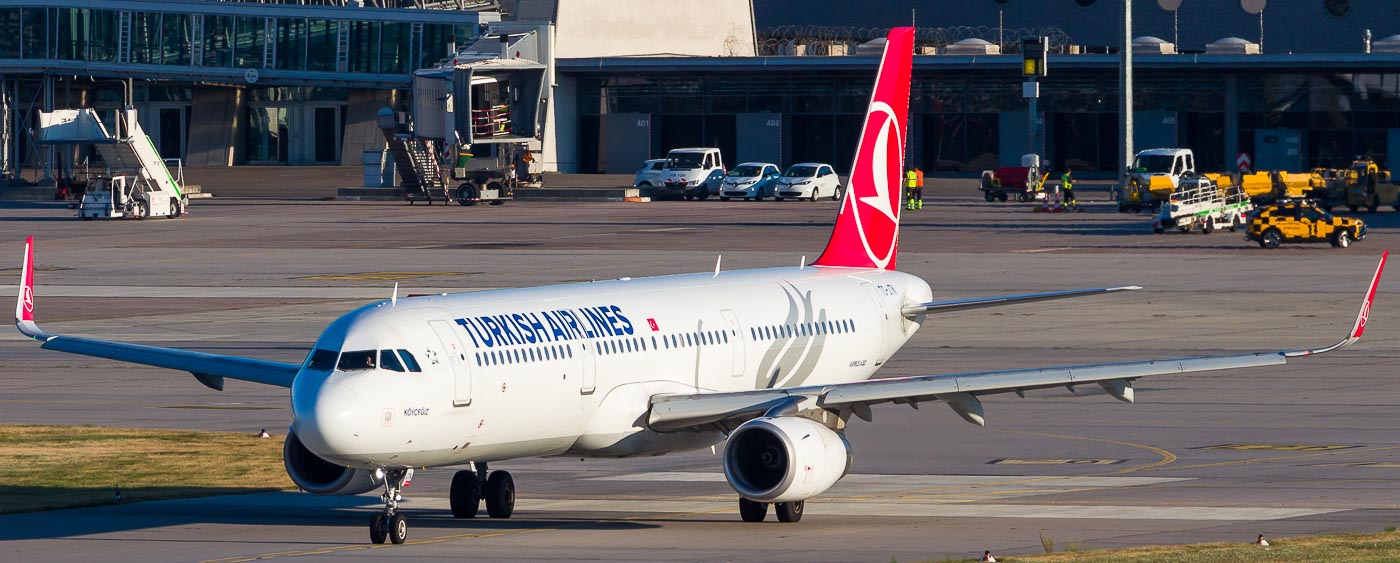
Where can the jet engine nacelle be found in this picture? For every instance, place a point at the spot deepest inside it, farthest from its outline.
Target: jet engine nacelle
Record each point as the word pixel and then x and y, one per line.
pixel 784 459
pixel 320 477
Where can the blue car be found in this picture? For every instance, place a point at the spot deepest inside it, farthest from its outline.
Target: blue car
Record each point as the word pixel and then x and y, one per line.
pixel 750 180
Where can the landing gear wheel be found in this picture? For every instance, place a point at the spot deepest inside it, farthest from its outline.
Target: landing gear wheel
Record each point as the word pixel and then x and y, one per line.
pixel 789 511
pixel 1271 239
pixel 500 494
pixel 465 495
pixel 752 510
pixel 398 529
pixel 378 532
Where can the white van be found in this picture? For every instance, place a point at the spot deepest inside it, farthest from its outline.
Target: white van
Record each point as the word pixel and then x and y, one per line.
pixel 693 173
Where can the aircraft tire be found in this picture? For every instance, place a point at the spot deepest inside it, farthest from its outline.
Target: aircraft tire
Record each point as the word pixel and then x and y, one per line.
pixel 789 511
pixel 752 510
pixel 500 494
pixel 377 531
pixel 465 494
pixel 398 529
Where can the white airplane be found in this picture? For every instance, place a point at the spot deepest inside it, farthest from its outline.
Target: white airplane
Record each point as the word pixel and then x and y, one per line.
pixel 775 361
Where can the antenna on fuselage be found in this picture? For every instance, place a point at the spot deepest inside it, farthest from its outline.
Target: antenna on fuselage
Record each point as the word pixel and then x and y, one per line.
pixel 802 263
pixel 717 261
pixel 394 299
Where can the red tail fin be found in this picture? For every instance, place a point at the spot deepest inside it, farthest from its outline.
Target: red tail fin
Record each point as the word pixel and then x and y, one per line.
pixel 867 228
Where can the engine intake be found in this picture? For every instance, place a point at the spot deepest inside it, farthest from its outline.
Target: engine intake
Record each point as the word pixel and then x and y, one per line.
pixel 784 459
pixel 320 477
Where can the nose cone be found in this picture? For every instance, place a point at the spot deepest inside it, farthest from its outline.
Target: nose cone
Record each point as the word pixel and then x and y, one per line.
pixel 328 417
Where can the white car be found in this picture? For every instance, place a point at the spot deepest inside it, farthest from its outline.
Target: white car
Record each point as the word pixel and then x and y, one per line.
pixel 650 174
pixel 750 180
pixel 808 180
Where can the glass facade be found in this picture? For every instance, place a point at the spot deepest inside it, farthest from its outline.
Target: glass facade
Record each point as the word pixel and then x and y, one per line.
pixel 964 122
pixel 227 41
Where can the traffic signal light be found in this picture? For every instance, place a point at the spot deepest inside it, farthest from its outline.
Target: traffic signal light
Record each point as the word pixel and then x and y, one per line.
pixel 1033 51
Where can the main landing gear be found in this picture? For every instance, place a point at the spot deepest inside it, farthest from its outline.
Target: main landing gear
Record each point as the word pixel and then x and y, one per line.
pixel 754 511
pixel 472 486
pixel 390 524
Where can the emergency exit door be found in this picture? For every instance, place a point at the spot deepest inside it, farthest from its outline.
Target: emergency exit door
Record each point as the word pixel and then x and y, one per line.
pixel 736 342
pixel 455 355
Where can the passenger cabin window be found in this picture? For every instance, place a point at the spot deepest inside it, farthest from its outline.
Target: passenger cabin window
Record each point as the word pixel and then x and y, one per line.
pixel 409 361
pixel 357 360
pixel 389 361
pixel 321 360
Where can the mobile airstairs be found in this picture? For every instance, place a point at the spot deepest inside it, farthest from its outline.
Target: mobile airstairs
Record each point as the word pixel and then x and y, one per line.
pixel 137 183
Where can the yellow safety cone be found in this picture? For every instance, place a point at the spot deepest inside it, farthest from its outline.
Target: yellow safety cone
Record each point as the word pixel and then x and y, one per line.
pixel 1261 541
pixel 987 557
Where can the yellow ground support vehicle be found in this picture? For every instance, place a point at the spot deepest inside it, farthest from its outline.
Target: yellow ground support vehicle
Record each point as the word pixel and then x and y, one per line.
pixel 1363 184
pixel 1292 185
pixel 1302 222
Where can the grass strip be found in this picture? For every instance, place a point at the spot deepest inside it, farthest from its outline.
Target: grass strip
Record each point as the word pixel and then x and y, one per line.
pixel 53 467
pixel 1350 548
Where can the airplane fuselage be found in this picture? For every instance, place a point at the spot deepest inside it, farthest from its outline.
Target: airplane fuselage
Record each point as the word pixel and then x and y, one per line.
pixel 570 369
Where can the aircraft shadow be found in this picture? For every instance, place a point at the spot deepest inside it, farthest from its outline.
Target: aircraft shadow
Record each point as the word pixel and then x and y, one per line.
pixel 263 509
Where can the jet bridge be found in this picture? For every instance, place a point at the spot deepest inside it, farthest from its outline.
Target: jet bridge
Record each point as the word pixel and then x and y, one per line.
pixel 137 182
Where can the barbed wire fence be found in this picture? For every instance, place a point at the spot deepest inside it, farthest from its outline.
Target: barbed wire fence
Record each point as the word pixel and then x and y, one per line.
pixel 842 40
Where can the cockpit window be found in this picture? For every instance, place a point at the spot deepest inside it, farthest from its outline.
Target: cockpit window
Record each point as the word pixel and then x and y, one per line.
pixel 321 360
pixel 358 359
pixel 409 360
pixel 389 361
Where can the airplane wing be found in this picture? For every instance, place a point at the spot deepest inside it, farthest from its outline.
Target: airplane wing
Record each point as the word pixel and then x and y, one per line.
pixel 960 391
pixel 980 302
pixel 209 369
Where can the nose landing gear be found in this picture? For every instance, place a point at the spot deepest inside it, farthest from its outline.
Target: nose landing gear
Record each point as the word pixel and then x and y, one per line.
pixel 390 524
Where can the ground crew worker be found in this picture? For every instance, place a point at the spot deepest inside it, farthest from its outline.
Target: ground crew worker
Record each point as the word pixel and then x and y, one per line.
pixel 1067 184
pixel 911 181
pixel 918 188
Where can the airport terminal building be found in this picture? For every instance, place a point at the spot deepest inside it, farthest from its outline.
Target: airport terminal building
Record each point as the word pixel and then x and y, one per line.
pixel 222 83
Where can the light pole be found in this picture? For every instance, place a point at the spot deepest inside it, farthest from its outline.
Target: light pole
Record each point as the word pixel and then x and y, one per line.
pixel 1125 95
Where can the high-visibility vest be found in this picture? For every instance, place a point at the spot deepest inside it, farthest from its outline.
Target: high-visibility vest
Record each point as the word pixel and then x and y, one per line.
pixel 1066 182
pixel 910 179
pixel 920 175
